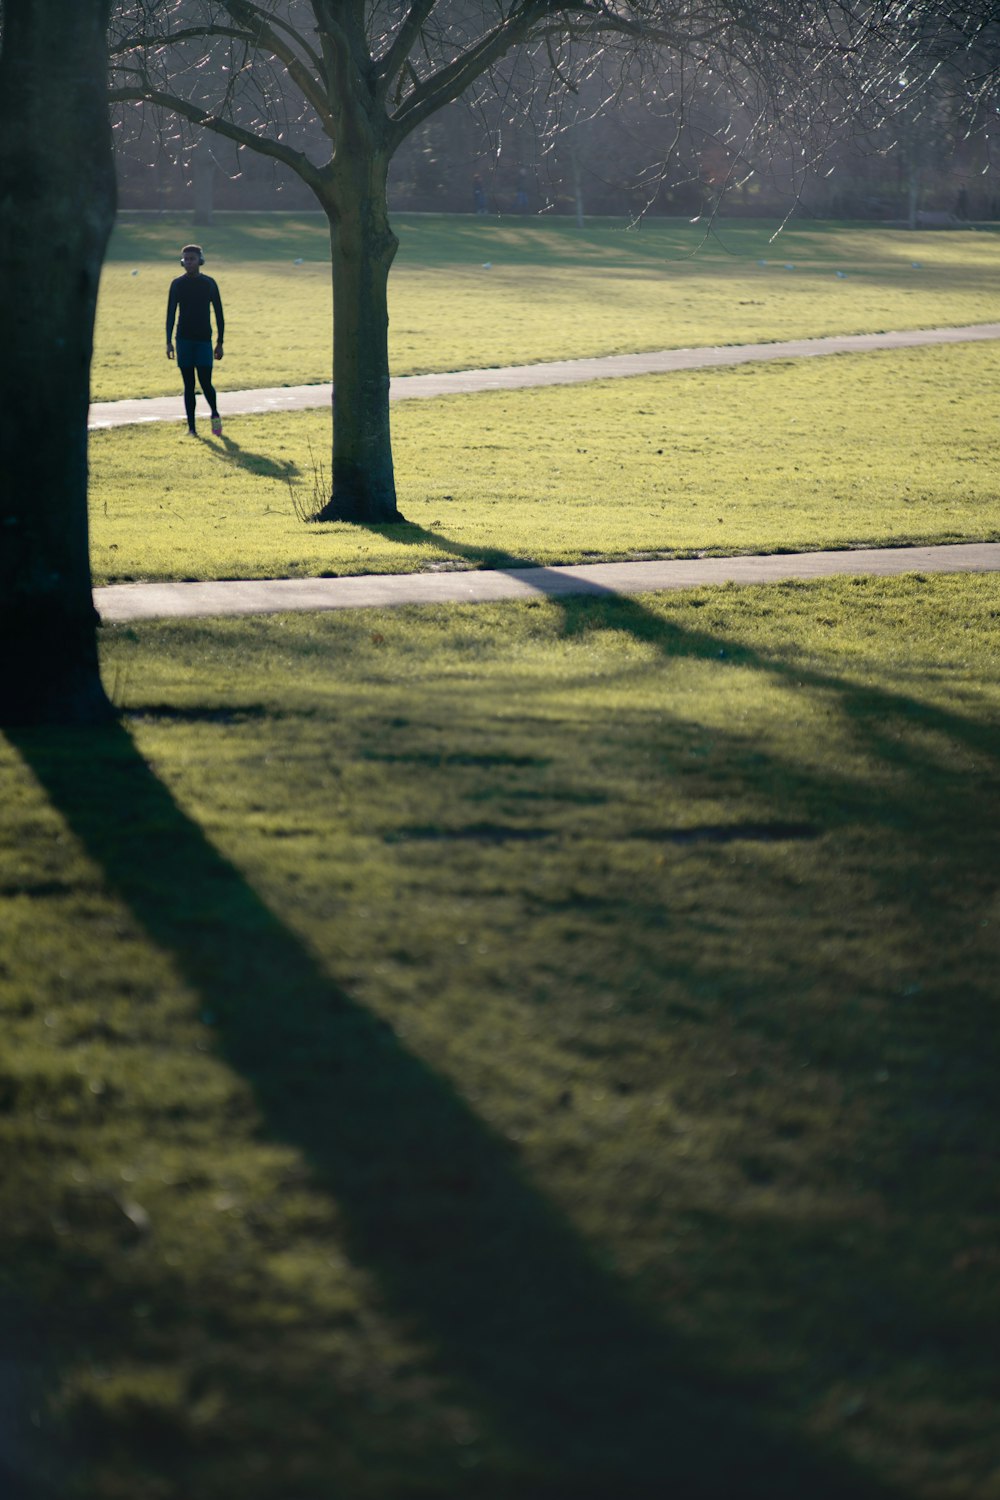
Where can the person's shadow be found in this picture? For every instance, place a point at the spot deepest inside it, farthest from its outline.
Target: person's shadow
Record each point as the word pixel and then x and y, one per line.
pixel 260 464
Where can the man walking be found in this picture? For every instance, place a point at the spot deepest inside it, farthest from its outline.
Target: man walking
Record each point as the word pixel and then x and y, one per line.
pixel 192 296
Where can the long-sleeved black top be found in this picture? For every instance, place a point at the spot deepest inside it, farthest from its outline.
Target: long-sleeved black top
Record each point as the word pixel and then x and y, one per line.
pixel 191 297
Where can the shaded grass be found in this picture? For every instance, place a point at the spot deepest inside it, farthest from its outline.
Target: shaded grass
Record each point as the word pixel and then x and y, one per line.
pixel 543 1050
pixel 467 293
pixel 879 449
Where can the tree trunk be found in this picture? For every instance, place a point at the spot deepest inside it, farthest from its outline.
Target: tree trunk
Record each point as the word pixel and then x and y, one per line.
pixel 913 198
pixel 203 182
pixel 577 183
pixel 57 199
pixel 362 248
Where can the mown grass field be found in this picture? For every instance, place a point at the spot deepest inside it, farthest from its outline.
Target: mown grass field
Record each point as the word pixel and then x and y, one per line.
pixel 880 449
pixel 544 1050
pixel 469 293
pixel 530 1052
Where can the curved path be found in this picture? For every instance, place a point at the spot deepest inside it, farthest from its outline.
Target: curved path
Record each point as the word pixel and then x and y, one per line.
pixel 157 601
pixel 148 601
pixel 554 372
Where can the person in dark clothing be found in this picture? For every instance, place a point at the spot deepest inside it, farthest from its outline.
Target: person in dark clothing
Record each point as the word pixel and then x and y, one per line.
pixel 191 300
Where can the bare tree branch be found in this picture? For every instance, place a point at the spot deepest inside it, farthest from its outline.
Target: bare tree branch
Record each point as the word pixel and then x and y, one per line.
pixel 262 144
pixel 392 62
pixel 264 35
pixel 142 42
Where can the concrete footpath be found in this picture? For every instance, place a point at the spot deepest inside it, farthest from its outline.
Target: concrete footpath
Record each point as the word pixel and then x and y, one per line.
pixel 153 601
pixel 159 601
pixel 554 372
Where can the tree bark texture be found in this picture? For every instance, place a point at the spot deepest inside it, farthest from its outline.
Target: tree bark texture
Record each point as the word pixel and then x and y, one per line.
pixel 57 203
pixel 362 250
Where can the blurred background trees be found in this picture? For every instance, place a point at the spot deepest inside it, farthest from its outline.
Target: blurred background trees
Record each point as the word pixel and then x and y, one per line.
pixel 626 147
pixel 636 106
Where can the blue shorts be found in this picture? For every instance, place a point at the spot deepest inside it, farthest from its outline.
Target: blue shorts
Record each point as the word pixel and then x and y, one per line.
pixel 191 352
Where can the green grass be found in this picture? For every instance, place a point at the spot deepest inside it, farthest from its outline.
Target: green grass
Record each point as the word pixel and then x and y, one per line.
pixel 880 449
pixel 539 1050
pixel 545 1050
pixel 550 291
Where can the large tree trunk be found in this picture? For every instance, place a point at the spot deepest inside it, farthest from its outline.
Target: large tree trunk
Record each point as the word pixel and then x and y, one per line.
pixel 57 200
pixel 362 249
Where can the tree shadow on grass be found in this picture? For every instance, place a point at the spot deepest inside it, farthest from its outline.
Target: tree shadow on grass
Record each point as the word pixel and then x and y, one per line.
pixel 877 708
pixel 410 533
pixel 591 1397
pixel 948 1095
pixel 940 1130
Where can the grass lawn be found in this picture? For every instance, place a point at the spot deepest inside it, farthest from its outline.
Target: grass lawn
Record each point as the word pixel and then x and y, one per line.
pixel 878 449
pixel 541 1050
pixel 469 293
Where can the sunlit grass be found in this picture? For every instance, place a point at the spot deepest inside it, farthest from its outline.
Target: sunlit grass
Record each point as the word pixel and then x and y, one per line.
pixel 859 450
pixel 534 1050
pixel 468 293
pixel 541 1051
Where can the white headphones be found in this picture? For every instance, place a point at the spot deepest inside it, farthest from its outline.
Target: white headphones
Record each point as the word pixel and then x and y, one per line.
pixel 201 259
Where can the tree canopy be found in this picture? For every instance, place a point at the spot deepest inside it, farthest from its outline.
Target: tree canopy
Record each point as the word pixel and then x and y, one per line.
pixel 332 88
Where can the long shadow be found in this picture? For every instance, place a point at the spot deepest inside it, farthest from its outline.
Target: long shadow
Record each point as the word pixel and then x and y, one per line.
pixel 876 707
pixel 943 1102
pixel 261 464
pixel 921 809
pixel 872 710
pixel 597 1399
pixel 409 533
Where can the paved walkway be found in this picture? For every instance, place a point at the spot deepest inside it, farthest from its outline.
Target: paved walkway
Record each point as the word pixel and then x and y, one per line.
pixel 555 372
pixel 151 601
pixel 156 601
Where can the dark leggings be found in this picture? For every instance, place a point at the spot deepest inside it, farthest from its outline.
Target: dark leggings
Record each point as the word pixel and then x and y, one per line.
pixel 208 389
